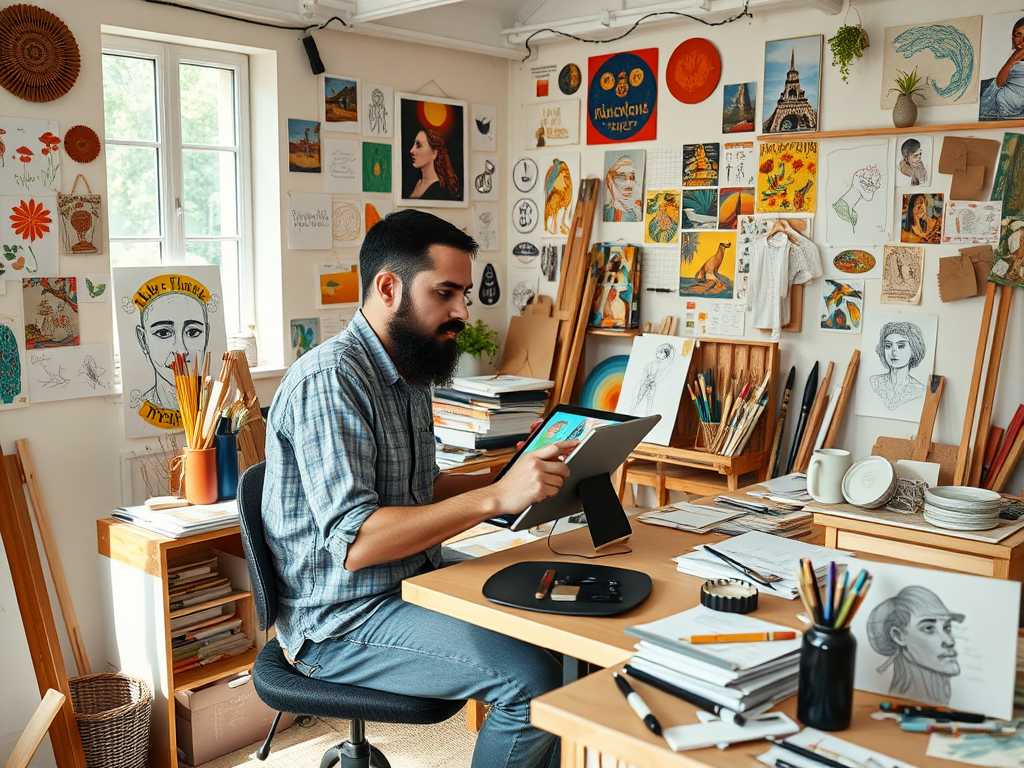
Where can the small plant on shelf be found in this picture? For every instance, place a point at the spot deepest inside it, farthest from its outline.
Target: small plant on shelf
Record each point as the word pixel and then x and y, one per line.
pixel 848 43
pixel 477 338
pixel 907 85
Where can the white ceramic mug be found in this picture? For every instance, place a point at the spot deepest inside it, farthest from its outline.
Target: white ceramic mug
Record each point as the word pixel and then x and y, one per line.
pixel 825 473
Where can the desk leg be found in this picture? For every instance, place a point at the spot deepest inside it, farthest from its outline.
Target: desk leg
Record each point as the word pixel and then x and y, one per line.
pixel 831 537
pixel 574 755
pixel 475 712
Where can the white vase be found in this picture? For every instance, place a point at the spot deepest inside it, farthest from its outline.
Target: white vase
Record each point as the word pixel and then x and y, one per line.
pixel 470 366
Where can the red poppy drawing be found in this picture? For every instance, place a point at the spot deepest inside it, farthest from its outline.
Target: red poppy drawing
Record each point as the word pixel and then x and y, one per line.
pixel 29 220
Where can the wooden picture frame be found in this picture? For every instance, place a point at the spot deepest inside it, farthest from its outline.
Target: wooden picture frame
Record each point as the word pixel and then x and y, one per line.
pixel 421 119
pixel 792 105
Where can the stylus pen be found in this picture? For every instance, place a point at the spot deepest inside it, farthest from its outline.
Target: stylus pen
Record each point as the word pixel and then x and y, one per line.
pixel 937 713
pixel 815 755
pixel 637 705
pixel 691 698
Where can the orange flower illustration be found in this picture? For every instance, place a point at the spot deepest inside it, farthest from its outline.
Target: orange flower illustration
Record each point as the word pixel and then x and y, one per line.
pixel 26 154
pixel 30 220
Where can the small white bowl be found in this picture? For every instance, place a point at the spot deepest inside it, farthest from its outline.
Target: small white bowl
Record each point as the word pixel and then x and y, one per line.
pixel 870 482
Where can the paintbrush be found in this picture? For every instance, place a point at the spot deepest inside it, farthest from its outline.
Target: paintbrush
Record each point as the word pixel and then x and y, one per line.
pixel 810 390
pixel 780 425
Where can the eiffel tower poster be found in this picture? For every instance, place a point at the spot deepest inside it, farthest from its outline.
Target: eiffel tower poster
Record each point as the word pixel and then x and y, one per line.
pixel 792 76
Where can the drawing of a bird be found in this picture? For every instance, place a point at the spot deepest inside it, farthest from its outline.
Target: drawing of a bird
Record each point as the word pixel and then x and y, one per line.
pixel 841 292
pixel 483 125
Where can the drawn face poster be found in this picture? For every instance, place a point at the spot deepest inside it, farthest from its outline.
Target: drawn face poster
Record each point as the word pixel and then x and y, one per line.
pixel 739 106
pixel 971 222
pixel 787 172
pixel 732 203
pixel 66 373
pixel 29 235
pixel 842 305
pixel 378 110
pixel 309 222
pixel 700 209
pixel 925 635
pixel 161 314
pixel 346 223
pixel 484 128
pixel 552 124
pixel 51 311
pixel 707 264
pixel 739 164
pixel 622 103
pixel 305 334
pixel 339 103
pixel 902 274
pixel 654 381
pixel 792 77
pixel 343 167
pixel 433 154
pixel 858 194
pixel 661 216
pixel 484 173
pixel 700 165
pixel 376 167
pixel 13 369
pixel 897 359
pixel 624 185
pixel 303 146
pixel 561 174
pixel 30 156
pixel 945 55
pixel 921 219
pixel 914 161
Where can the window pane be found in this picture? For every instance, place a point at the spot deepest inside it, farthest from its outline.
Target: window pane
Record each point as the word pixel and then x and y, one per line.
pixel 211 207
pixel 207 105
pixel 129 98
pixel 133 204
pixel 134 254
pixel 223 253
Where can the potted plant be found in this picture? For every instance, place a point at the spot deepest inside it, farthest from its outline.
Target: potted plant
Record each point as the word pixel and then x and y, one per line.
pixel 474 340
pixel 908 84
pixel 848 43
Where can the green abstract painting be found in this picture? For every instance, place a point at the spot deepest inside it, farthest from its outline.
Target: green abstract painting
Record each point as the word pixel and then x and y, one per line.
pixel 376 167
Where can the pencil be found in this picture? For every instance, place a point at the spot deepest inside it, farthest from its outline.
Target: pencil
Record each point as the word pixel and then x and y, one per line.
pixel 741 637
pixel 839 598
pixel 812 586
pixel 830 592
pixel 858 601
pixel 851 598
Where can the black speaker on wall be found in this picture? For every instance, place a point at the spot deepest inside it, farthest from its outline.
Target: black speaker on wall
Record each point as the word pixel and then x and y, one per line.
pixel 313 54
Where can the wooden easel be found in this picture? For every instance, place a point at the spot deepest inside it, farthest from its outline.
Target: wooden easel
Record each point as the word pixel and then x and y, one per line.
pixel 252 439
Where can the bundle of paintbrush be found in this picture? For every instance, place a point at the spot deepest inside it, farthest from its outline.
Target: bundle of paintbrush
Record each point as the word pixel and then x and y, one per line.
pixel 838 606
pixel 702 391
pixel 201 400
pixel 736 420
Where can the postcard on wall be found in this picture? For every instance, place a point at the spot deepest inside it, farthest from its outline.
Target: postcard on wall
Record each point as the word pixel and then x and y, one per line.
pixel 552 124
pixel 654 381
pixel 926 636
pixel 309 222
pixel 998 50
pixel 97 287
pixel 346 222
pixel 484 172
pixel 661 216
pixel 846 263
pixel 896 364
pixel 343 167
pixel 792 80
pixel 739 164
pixel 945 55
pixel 732 203
pixel 66 373
pixel 699 209
pixel 339 103
pixel 700 165
pixel 621 106
pixel 303 146
pixel 29 235
pixel 842 305
pixel 902 274
pixel 378 110
pixel 914 160
pixel 51 312
pixel 484 129
pixel 971 222
pixel 433 151
pixel 31 155
pixel 739 108
pixel 150 301
pixel 561 175
pixel 707 266
pixel 305 334
pixel 858 194
pixel 485 227
pixel 921 218
pixel 616 304
pixel 338 284
pixel 786 176
pixel 14 370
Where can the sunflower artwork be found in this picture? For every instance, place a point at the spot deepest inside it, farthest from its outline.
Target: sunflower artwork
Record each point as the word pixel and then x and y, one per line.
pixel 787 173
pixel 28 235
pixel 842 305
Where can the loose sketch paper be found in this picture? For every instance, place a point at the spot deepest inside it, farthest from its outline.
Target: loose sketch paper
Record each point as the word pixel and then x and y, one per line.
pixel 29 236
pixel 13 366
pixel 51 312
pixel 561 177
pixel 378 103
pixel 945 55
pixel 309 222
pixel 739 164
pixel 343 167
pixel 997 50
pixel 716 319
pixel 897 359
pixel 339 103
pixel 338 284
pixel 902 274
pixel 346 223
pixel 484 173
pixel 484 129
pixel 859 194
pixel 654 381
pixel 624 185
pixel 787 173
pixel 914 160
pixel 66 373
pixel 485 227
pixel 938 637
pixel 842 305
pixel 31 156
pixel 971 222
pixel 661 216
pixel 707 264
pixel 552 124
pixel 305 333
pixel 185 300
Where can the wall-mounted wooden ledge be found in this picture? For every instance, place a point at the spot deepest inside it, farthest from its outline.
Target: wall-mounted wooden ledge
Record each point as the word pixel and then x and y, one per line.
pixel 989 125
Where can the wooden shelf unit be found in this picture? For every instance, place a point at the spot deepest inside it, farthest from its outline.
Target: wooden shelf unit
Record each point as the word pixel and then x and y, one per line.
pixel 988 125
pixel 133 568
pixel 626 333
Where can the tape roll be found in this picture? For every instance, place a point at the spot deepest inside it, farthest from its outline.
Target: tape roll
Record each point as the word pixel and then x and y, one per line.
pixel 729 595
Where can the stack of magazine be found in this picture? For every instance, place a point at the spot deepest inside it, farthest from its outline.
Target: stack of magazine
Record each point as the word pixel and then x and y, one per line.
pixel 181 521
pixel 480 413
pixel 747 677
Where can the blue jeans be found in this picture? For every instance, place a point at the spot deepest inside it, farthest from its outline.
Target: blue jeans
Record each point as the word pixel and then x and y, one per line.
pixel 406 649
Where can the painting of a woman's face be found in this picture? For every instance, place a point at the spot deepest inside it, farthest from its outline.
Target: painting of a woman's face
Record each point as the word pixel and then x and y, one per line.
pixel 623 180
pixel 920 208
pixel 1017 38
pixel 897 350
pixel 928 642
pixel 421 152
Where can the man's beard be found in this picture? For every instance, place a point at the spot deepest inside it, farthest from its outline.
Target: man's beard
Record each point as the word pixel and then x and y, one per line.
pixel 425 359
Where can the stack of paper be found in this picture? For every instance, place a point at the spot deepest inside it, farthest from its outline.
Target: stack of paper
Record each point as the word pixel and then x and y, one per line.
pixel 764 553
pixel 695 518
pixel 181 521
pixel 488 412
pixel 791 525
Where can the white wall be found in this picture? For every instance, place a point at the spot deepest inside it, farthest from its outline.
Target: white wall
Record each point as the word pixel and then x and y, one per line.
pixel 843 106
pixel 76 444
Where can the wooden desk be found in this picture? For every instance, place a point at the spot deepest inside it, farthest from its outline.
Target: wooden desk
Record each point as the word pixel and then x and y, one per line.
pixel 492 460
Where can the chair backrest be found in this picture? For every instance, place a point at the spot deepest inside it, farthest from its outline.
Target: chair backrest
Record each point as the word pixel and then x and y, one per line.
pixel 262 575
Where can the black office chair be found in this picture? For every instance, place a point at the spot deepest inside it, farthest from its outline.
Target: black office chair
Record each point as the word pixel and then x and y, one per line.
pixel 285 689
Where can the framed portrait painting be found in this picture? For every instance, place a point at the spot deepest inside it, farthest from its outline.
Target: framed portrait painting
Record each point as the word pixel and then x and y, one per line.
pixel 433 152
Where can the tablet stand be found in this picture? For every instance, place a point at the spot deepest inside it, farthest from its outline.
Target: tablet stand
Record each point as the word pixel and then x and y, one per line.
pixel 606 518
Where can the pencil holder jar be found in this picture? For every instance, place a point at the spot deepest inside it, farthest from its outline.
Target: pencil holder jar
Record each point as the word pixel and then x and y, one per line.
pixel 708 433
pixel 226 443
pixel 825 688
pixel 201 475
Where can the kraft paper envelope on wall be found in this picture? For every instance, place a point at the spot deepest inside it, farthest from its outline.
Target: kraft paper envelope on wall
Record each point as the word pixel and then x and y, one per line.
pixel 530 346
pixel 971 162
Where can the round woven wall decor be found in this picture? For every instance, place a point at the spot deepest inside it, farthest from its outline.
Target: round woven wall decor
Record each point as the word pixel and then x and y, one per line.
pixel 39 59
pixel 82 144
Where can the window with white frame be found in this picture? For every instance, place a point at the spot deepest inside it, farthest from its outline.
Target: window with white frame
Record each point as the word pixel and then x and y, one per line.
pixel 178 164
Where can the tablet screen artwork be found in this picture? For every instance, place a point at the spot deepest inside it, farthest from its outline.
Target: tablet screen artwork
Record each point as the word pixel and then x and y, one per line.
pixel 565 426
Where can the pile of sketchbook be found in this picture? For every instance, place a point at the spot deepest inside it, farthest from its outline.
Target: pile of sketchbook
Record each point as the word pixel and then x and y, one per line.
pixel 481 413
pixel 175 518
pixel 208 633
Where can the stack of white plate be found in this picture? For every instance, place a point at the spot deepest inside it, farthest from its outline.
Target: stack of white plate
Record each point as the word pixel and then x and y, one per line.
pixel 960 508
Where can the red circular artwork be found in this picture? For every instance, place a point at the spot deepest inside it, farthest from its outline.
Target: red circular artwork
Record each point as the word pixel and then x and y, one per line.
pixel 693 70
pixel 82 144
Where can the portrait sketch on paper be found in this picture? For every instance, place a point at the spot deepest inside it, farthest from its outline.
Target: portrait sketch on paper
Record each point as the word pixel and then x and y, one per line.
pixel 654 381
pixel 896 363
pixel 859 193
pixel 378 109
pixel 914 161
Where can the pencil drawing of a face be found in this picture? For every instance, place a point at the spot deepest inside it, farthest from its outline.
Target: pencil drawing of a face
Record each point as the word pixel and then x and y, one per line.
pixel 171 324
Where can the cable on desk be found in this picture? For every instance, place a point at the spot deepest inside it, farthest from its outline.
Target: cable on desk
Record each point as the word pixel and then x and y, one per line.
pixel 578 554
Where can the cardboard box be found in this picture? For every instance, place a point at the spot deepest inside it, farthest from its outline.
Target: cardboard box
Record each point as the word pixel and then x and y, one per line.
pixel 218 719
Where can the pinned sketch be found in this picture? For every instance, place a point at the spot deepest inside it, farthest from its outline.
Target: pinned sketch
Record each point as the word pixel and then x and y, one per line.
pixel 921 220
pixel 28 233
pixel 51 312
pixel 524 291
pixel 842 305
pixel 654 381
pixel 162 312
pixel 945 55
pixel 525 216
pixel 732 203
pixel 661 216
pixel 374 211
pixel 739 164
pixel 485 227
pixel 484 173
pixel 30 156
pixel 971 222
pixel 927 636
pixel 700 209
pixel 700 165
pixel 484 129
pixel 914 161
pixel 339 103
pixel 786 176
pixel 343 167
pixel 897 360
pixel 309 222
pixel 346 223
pixel 525 174
pixel 551 260
pixel 378 110
pixel 13 367
pixel 303 146
pixel 376 167
pixel 490 290
pixel 66 373
pixel 338 284
pixel 859 193
pixel 902 274
pixel 97 287
pixel 305 334
pixel 717 319
pixel 707 264
pixel 552 124
pixel 624 185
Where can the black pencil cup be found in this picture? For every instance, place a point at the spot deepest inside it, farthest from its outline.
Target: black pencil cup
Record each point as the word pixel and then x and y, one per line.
pixel 226 443
pixel 825 693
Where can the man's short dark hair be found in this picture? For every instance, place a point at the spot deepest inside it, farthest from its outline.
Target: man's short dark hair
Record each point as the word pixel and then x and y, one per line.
pixel 400 243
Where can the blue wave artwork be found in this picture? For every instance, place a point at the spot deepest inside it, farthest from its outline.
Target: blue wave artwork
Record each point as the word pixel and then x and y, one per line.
pixel 944 42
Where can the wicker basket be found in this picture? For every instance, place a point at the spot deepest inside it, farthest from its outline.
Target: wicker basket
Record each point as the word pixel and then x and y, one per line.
pixel 113 713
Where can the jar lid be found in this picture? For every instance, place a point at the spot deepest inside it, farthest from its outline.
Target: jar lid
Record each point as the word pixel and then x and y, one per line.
pixel 729 595
pixel 870 482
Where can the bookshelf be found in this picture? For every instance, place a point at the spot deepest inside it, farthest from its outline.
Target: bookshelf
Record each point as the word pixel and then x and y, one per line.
pixel 889 130
pixel 133 575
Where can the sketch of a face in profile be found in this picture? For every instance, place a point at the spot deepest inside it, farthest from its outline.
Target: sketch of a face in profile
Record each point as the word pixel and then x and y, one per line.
pixel 647 388
pixel 901 348
pixel 171 324
pixel 865 182
pixel 915 630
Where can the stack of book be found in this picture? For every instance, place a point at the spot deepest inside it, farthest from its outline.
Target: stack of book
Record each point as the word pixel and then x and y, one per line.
pixel 176 522
pixel 685 654
pixel 480 413
pixel 207 634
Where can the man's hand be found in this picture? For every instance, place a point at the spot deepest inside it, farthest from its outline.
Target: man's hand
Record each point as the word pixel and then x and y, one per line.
pixel 533 431
pixel 534 477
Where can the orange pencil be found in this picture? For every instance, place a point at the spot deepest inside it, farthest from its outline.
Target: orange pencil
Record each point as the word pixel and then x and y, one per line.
pixel 742 637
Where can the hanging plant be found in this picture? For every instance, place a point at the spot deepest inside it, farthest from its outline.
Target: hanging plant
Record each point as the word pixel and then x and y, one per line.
pixel 848 44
